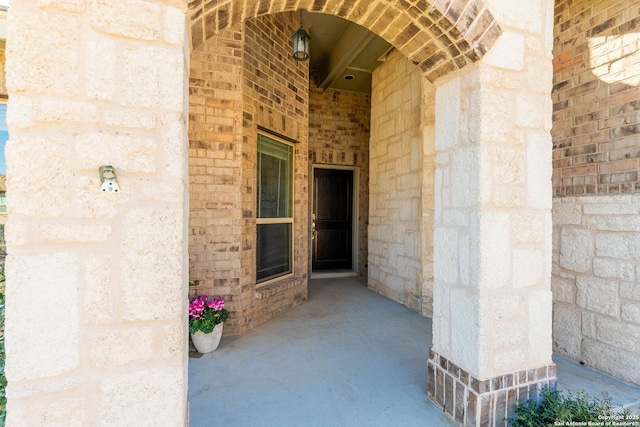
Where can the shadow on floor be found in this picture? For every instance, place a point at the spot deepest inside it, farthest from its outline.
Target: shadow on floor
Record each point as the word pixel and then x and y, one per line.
pixel 347 357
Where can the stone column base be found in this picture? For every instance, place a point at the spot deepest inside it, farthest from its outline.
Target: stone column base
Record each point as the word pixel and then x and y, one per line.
pixel 475 403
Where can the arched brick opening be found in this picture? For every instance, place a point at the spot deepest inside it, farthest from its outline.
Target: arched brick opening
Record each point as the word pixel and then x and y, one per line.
pixel 437 36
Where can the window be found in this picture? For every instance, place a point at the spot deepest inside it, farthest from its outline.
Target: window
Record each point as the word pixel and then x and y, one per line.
pixel 274 256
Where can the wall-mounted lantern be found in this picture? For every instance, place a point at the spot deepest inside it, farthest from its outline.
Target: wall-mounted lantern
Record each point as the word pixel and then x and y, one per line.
pixel 301 43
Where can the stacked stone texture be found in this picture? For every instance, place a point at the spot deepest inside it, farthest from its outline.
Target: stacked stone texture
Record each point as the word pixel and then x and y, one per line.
pixel 401 184
pixel 96 294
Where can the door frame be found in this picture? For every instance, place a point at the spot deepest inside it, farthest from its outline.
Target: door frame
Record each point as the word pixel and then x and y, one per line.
pixel 355 235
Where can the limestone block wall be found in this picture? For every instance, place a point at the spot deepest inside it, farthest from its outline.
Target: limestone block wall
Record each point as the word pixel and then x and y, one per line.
pixel 339 124
pixel 96 282
pixel 243 79
pixel 401 185
pixel 492 246
pixel 596 282
pixel 596 137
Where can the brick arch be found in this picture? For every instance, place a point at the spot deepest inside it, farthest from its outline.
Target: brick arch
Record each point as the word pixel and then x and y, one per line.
pixel 438 36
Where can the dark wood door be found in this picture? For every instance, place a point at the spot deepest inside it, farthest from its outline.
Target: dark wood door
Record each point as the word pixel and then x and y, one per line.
pixel 332 219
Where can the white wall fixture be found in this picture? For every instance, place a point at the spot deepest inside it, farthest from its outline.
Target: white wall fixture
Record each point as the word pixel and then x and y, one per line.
pixel 108 179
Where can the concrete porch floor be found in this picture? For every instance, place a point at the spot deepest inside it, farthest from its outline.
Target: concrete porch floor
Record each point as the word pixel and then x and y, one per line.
pixel 347 357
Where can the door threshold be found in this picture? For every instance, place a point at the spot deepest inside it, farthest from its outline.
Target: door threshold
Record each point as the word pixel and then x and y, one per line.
pixel 331 274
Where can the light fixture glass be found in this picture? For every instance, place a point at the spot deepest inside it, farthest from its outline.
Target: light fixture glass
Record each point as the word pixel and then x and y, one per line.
pixel 301 43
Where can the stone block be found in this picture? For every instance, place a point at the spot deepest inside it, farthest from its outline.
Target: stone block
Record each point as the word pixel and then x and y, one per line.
pixel 508 166
pixel 131 154
pixel 566 212
pixel 100 68
pixel 43 65
pixel 50 345
pixel 613 268
pixel 445 262
pixel 528 228
pixel 74 233
pixel 140 20
pixel 630 290
pixel 35 190
pixel 153 77
pixel 530 112
pixel 153 397
pixel 576 249
pixel 174 136
pixel 447 114
pixel 539 170
pixel 151 265
pixel 527 267
pixel 631 313
pixel 465 171
pixel 493 251
pixel 525 16
pixel 626 223
pixel 68 5
pixel 466 330
pixel 624 246
pixel 98 290
pixel 612 360
pixel 89 202
pixel 19 390
pixel 64 111
pixel 540 327
pixel 507 52
pixel 71 412
pixel 130 118
pixel 175 26
pixel 567 327
pixel 564 289
pixel 619 334
pixel 120 347
pixel 599 295
pixel 174 340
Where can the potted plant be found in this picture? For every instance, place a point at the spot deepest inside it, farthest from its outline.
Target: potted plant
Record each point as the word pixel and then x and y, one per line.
pixel 206 320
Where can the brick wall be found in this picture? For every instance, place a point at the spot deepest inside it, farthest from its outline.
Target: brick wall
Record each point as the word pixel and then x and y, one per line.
pixel 596 97
pixel 237 84
pixel 215 157
pixel 339 125
pixel 401 186
pixel 275 98
pixel 596 136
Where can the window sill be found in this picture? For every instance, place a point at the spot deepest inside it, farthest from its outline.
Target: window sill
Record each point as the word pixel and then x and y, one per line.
pixel 277 287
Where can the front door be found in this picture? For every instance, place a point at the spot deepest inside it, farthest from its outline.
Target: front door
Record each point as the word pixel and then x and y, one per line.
pixel 332 219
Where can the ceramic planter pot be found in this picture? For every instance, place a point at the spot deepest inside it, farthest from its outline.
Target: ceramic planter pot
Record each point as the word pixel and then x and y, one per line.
pixel 206 343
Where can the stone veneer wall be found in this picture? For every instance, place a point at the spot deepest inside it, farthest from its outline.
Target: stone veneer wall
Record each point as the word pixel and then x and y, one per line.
pixel 339 124
pixel 238 83
pixel 596 133
pixel 402 167
pixel 596 282
pixel 96 282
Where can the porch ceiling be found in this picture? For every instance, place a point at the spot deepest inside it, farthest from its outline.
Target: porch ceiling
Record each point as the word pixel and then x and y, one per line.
pixel 340 49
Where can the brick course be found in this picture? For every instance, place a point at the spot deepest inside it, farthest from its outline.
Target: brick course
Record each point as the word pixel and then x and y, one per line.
pixel 339 129
pixel 596 99
pixel 232 95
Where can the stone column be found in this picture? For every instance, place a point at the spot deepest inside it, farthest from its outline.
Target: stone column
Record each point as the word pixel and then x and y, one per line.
pixel 492 234
pixel 96 281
